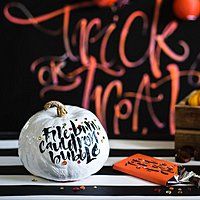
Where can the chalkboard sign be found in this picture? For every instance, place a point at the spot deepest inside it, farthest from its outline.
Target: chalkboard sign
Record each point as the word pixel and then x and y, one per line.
pixel 129 66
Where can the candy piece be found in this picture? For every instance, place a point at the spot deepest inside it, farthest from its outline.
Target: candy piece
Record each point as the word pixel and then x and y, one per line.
pixel 195 181
pixel 183 156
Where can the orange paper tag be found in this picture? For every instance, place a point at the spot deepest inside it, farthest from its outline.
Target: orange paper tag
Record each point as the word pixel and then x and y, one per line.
pixel 148 168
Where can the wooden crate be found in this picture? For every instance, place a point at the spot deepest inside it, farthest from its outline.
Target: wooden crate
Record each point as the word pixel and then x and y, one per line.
pixel 187 120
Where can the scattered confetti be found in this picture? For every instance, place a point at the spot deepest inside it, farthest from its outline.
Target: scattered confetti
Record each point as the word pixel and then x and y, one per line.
pixel 171 188
pixel 75 189
pixel 64 125
pixel 157 190
pixel 64 162
pixel 82 187
pixel 168 192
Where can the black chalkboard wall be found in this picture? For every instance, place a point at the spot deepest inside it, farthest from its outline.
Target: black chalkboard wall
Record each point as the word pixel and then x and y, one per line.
pixel 129 66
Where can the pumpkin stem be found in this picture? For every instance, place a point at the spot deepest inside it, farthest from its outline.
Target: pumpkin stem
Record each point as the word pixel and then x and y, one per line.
pixel 61 110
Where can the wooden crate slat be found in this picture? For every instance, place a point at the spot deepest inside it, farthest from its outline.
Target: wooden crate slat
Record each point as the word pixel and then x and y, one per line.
pixel 187 120
pixel 186 116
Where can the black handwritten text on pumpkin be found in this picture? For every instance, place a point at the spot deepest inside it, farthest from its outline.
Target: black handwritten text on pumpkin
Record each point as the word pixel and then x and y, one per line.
pixel 76 143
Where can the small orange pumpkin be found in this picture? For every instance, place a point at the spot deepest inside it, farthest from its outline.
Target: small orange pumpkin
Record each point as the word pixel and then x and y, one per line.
pixel 105 3
pixel 194 99
pixel 186 9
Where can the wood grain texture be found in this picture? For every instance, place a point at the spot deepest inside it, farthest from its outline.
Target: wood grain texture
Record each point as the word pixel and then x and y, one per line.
pixel 187 120
pixel 188 137
pixel 186 116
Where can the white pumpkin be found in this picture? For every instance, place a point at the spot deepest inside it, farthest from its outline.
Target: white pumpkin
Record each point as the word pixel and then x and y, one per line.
pixel 63 143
